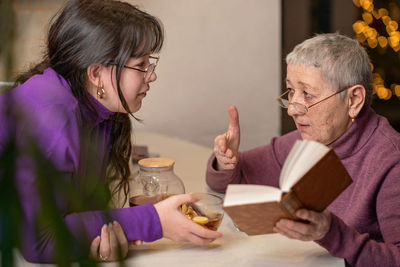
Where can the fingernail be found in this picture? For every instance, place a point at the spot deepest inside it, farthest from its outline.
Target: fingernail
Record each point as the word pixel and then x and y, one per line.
pixel 115 222
pixel 104 225
pixel 109 224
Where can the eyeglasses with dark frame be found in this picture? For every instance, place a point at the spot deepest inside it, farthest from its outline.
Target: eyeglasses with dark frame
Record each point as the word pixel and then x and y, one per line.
pixel 147 71
pixel 300 108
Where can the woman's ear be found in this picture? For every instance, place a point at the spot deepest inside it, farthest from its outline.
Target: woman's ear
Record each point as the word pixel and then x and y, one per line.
pixel 356 98
pixel 94 75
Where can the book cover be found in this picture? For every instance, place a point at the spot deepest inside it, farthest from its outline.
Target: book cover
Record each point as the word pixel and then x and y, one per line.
pixel 255 209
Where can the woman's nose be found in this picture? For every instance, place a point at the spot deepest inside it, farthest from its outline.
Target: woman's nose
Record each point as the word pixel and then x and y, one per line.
pixel 291 110
pixel 296 109
pixel 153 77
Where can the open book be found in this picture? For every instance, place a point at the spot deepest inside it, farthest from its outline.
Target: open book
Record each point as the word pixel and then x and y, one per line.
pixel 312 177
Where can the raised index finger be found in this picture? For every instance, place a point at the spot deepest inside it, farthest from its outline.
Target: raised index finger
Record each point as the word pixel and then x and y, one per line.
pixel 234 127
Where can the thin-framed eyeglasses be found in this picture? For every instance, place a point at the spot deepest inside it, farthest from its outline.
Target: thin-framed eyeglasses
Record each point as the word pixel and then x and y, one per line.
pixel 147 71
pixel 300 108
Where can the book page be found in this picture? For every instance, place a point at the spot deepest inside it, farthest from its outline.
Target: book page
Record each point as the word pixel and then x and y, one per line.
pixel 239 194
pixel 290 160
pixel 303 159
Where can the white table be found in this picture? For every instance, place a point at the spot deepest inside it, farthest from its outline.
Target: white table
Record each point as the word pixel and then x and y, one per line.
pixel 234 248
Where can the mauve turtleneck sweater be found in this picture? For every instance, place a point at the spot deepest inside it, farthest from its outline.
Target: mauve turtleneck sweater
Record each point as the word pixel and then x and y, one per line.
pixel 365 228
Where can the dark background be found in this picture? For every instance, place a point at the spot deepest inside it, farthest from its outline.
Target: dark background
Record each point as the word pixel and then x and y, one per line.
pixel 302 19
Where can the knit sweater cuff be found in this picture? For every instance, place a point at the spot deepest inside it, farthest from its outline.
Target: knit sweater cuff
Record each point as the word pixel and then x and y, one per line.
pixel 219 180
pixel 332 240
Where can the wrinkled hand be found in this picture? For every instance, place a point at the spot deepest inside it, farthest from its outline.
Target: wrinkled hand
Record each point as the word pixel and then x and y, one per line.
pixel 320 223
pixel 226 146
pixel 111 243
pixel 177 227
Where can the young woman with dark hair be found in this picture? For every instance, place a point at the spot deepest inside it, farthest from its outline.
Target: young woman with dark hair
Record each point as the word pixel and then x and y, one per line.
pixel 76 104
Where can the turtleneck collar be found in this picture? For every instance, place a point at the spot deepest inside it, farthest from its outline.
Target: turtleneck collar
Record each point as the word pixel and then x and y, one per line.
pixel 357 135
pixel 95 116
pixel 101 113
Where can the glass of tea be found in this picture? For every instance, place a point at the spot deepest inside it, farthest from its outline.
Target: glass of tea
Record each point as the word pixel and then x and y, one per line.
pixel 206 212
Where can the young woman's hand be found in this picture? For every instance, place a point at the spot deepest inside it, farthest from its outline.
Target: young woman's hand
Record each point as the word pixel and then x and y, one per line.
pixel 112 245
pixel 177 227
pixel 226 146
pixel 318 226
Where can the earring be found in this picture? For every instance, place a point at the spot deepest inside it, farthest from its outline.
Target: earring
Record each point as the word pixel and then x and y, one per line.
pixel 352 117
pixel 100 92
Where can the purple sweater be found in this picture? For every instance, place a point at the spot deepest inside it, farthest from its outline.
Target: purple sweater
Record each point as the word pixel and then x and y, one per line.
pixel 52 115
pixel 365 228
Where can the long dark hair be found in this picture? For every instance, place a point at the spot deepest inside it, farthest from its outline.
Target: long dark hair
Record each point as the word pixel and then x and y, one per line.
pixel 87 32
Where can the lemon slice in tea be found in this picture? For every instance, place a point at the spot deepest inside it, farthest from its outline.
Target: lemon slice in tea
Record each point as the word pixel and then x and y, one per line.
pixel 184 208
pixel 200 219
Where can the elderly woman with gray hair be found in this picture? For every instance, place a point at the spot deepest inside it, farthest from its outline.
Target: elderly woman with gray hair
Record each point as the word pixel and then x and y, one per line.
pixel 329 87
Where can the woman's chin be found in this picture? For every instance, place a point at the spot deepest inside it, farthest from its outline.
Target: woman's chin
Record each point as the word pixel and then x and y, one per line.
pixel 307 136
pixel 136 107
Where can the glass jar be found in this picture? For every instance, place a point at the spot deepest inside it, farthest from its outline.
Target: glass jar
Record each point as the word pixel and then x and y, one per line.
pixel 156 181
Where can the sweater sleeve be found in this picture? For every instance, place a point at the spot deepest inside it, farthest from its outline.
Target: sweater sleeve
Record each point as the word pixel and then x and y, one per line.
pixel 219 180
pixel 358 249
pixel 361 249
pixel 139 223
pixel 261 165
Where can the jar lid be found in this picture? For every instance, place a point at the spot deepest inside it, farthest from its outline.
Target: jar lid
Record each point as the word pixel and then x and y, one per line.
pixel 156 162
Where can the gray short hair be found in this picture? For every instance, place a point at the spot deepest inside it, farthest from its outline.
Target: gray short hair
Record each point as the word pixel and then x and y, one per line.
pixel 342 60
